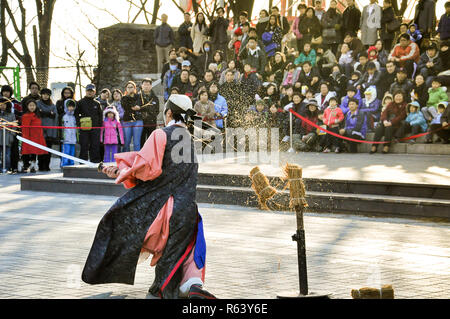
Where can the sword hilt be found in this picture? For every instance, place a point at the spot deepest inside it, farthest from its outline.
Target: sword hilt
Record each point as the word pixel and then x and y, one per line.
pixel 101 166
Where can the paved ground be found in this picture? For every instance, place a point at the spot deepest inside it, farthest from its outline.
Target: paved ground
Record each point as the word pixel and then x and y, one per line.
pixel 45 239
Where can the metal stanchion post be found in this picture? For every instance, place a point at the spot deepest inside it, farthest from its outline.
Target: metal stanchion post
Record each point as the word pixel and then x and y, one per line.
pixel 291 149
pixel 4 150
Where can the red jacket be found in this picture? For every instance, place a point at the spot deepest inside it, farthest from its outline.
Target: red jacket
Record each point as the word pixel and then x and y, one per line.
pixel 332 117
pixel 34 134
pixel 411 52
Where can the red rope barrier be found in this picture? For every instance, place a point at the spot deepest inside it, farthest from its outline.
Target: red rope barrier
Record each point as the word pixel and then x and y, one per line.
pixel 355 140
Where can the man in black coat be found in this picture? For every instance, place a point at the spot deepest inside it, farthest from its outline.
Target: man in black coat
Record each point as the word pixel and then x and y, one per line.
pixel 149 103
pixel 282 20
pixel 218 30
pixel 88 107
pixel 350 18
pixel 387 77
pixel 402 83
pixel 184 32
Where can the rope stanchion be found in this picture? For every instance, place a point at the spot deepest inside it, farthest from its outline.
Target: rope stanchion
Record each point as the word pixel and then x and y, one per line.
pixel 291 149
pixel 360 141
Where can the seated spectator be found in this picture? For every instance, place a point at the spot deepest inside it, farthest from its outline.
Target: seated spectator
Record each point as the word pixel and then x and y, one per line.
pixel 338 81
pixel 387 77
pixel 166 66
pixel 361 65
pixel 220 104
pixel 277 66
pixel 444 53
pixel 430 64
pixel 208 78
pixel 441 120
pixel 332 117
pixel 296 104
pixel 436 94
pixel 258 115
pixel 169 77
pixel 391 119
pixel 383 55
pixel 372 55
pixel 354 43
pixel 354 78
pixel 414 33
pixel 182 81
pixel 402 83
pixel 270 95
pixel 254 56
pixel 205 108
pixel 308 76
pixel 184 54
pixel 308 54
pixel 276 118
pixel 355 125
pixel 287 96
pixel 220 59
pixel 291 75
pixel 414 123
pixel 249 83
pixel 370 78
pixel 308 133
pixel 419 92
pixel 324 96
pixel 387 99
pixel 352 93
pixel 193 87
pixel 231 67
pixel 405 54
pixel 371 106
pixel 346 60
pixel 325 60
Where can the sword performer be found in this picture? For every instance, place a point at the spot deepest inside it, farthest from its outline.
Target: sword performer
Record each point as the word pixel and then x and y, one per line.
pixel 158 215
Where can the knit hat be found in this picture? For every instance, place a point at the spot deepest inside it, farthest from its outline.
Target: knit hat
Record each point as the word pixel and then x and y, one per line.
pixel 111 109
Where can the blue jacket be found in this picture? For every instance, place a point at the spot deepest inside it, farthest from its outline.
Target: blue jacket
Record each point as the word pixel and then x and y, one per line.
pixel 220 105
pixel 168 80
pixel 417 118
pixel 373 108
pixel 70 135
pixel 356 124
pixel 344 103
pixel 437 119
pixel 444 26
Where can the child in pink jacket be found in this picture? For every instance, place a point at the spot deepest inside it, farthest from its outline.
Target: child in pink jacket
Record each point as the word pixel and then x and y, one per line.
pixel 332 117
pixel 111 134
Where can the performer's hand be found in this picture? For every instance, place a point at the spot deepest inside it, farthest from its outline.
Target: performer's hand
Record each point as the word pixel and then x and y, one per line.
pixel 111 171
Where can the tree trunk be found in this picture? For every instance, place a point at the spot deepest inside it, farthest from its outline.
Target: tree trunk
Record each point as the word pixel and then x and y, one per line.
pixel 155 11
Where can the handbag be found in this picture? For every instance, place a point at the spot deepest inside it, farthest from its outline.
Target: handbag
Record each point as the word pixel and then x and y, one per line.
pixel 393 25
pixel 317 40
pixel 329 33
pixel 86 123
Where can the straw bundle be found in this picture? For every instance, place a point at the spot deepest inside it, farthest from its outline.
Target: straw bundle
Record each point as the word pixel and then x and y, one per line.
pixel 261 186
pixel 293 175
pixel 386 292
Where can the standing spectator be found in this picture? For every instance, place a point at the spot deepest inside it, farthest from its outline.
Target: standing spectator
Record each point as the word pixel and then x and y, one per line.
pixel 7 115
pixel 310 27
pixel 414 123
pixel 184 32
pixel 444 23
pixel 425 17
pixel 370 23
pixel 263 21
pixel 49 117
pixel 34 89
pixel 164 40
pixel 331 27
pixel 387 16
pixel 405 54
pixel 332 117
pixel 103 98
pixel 430 64
pixel 69 133
pixel 318 11
pixel 296 25
pixel 218 30
pixel 199 32
pixel 351 18
pixel 89 114
pixel 168 79
pixel 15 107
pixel 149 104
pixel 30 120
pixel 282 21
pixel 249 83
pixel 391 119
pixel 117 102
pixel 204 58
pixel 355 125
pixel 132 119
pixel 112 134
pixel 230 90
pixel 272 36
pixel 66 93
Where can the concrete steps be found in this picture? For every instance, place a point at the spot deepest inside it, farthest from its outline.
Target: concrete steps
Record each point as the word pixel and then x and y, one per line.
pixel 331 196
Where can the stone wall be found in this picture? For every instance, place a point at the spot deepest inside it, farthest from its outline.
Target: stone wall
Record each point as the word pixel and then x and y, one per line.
pixel 126 51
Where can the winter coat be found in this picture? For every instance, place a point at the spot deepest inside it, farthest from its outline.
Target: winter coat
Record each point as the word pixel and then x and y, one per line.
pixel 310 28
pixel 272 40
pixel 406 86
pixel 437 64
pixel 445 117
pixel 9 135
pixel 111 133
pixel 261 26
pixel 128 102
pixel 185 35
pixel 387 16
pixel 296 27
pixel 323 104
pixel 350 19
pixel 436 96
pixel 221 107
pixel 386 80
pixel 119 108
pixel 311 57
pixel 411 52
pixel 394 113
pixel 365 82
pixel 370 24
pixel 444 27
pixel 417 118
pixel 257 59
pixel 425 16
pixel 331 23
pixel 326 60
pixel 167 84
pixel 420 94
pixel 69 120
pixel 198 37
pixel 35 134
pixel 89 107
pixel 218 30
pixel 346 58
pixel 103 103
pixel 344 102
pixel 206 111
pixel 149 104
pixel 332 116
pixel 416 35
pixel 356 124
pixel 305 128
pixel 203 60
pixel 49 117
pixel 371 107
pixel 164 35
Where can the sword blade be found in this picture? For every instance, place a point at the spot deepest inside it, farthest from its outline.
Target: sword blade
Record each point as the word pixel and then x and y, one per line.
pixel 50 150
